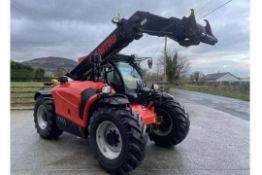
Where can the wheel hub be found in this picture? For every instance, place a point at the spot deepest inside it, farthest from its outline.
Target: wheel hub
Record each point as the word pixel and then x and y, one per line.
pixel 109 140
pixel 42 117
pixel 112 138
pixel 166 124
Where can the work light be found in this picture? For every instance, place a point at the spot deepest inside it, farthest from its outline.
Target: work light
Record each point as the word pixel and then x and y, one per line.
pixel 106 89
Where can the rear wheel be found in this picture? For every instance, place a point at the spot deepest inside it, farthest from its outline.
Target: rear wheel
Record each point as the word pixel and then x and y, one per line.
pixel 44 118
pixel 117 139
pixel 174 124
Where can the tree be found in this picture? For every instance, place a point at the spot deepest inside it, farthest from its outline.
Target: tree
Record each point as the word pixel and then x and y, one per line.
pixel 59 72
pixel 175 67
pixel 159 70
pixel 196 77
pixel 39 74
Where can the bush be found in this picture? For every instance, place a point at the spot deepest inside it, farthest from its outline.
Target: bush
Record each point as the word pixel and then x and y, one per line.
pixel 21 72
pixel 39 74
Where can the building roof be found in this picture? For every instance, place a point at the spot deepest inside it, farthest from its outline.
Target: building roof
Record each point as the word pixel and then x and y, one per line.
pixel 216 76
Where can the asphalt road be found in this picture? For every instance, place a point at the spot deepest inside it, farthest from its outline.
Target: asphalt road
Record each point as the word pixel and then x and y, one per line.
pixel 235 107
pixel 217 144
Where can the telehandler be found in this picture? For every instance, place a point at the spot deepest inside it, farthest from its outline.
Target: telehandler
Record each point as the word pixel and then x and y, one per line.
pixel 105 98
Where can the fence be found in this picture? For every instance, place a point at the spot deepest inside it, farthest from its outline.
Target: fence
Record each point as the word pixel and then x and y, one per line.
pixel 22 97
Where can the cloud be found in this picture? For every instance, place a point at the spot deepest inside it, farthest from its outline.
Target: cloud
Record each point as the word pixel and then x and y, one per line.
pixel 69 28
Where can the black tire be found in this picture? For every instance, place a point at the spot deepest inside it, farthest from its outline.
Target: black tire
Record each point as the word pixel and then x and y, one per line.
pixel 174 126
pixel 51 131
pixel 131 132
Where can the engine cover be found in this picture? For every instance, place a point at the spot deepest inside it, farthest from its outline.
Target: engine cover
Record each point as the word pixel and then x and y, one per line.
pixel 70 99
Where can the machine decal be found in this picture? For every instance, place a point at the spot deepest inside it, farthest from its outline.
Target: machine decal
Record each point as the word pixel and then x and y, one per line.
pixel 101 50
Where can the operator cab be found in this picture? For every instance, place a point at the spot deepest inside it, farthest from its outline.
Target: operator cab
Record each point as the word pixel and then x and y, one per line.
pixel 125 76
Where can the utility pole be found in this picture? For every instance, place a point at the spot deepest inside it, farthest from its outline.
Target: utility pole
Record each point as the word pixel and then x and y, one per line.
pixel 165 76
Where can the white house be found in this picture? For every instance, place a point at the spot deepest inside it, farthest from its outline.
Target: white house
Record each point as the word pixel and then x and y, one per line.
pixel 219 77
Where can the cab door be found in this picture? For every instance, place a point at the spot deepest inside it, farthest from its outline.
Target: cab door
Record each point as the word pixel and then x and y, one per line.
pixel 113 78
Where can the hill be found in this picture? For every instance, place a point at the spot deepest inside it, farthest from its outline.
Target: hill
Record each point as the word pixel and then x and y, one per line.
pixel 51 63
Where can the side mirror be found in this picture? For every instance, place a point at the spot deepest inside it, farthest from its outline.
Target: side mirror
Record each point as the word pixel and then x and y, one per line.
pixel 150 63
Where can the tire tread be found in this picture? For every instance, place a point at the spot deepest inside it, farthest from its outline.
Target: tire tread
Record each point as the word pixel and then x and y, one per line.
pixel 134 132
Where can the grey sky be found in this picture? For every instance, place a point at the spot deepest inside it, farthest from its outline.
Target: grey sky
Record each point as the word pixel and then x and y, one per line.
pixel 70 29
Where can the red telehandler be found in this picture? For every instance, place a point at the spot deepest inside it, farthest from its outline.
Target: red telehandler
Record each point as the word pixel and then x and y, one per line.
pixel 105 99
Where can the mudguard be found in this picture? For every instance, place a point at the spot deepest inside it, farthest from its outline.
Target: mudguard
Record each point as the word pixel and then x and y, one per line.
pixel 42 94
pixel 161 97
pixel 109 100
pixel 114 99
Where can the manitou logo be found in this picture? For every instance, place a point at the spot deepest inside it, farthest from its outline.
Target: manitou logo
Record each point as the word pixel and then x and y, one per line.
pixel 106 45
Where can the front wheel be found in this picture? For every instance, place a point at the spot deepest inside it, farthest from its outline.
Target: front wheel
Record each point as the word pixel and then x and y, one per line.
pixel 44 118
pixel 174 124
pixel 117 139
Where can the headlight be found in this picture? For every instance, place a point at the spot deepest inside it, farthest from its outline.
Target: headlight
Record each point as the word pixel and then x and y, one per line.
pixel 106 90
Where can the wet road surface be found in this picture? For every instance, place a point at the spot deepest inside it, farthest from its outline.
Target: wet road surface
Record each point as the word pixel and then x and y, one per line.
pixel 217 144
pixel 235 107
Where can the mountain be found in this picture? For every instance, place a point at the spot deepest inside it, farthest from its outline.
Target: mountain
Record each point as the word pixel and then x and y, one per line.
pixel 51 63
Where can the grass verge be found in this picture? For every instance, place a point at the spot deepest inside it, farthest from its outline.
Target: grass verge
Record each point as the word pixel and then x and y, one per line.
pixel 221 91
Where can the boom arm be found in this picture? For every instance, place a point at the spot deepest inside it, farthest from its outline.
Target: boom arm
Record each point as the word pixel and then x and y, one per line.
pixel 185 31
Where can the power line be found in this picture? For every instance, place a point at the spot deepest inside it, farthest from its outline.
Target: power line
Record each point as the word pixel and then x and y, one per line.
pixel 201 6
pixel 222 5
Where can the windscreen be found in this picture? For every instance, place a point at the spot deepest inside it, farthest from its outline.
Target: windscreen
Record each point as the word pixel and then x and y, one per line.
pixel 130 75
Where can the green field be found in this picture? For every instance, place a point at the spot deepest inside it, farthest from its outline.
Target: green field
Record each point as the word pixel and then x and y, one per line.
pixel 22 94
pixel 26 84
pixel 221 91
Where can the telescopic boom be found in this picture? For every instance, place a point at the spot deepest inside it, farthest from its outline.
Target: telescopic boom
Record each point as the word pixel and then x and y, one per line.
pixel 185 31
